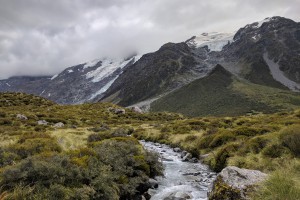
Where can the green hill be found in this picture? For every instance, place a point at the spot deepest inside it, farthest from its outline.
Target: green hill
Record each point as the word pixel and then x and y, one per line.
pixel 222 94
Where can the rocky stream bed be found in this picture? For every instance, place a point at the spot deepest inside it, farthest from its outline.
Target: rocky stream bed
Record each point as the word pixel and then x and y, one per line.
pixel 184 177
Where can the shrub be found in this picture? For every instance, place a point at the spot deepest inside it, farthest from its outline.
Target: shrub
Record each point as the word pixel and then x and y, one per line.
pixel 5 121
pixel 290 138
pixel 220 158
pixel 34 146
pixel 2 114
pixel 249 131
pixel 282 184
pixel 204 141
pixel 256 144
pixel 221 139
pixel 190 138
pixel 273 151
pixel 95 137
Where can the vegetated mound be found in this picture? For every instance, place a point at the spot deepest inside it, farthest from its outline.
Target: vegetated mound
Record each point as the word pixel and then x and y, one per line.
pixel 223 94
pixel 8 99
pixel 89 156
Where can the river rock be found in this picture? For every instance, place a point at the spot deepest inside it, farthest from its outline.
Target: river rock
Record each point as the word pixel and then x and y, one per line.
pixel 183 153
pixel 153 183
pixel 187 157
pixel 235 183
pixel 22 117
pixel 178 196
pixel 177 149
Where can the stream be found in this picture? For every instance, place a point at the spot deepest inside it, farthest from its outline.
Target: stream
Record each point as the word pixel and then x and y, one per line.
pixel 182 180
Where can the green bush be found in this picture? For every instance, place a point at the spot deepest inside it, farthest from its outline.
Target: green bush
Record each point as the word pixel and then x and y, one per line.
pixel 34 146
pixel 221 139
pixel 2 114
pixel 250 131
pixel 219 161
pixel 273 151
pixel 282 184
pixel 290 138
pixel 255 145
pixel 204 141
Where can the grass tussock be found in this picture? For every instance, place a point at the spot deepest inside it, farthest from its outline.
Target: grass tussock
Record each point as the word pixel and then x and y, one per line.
pixel 284 183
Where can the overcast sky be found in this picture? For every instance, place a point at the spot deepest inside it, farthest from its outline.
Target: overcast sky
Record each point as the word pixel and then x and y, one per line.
pixel 42 37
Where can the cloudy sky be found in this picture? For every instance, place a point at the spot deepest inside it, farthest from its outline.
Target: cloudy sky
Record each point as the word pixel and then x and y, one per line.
pixel 42 37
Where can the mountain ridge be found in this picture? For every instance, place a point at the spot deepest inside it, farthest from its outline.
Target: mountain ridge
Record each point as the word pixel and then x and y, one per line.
pixel 263 53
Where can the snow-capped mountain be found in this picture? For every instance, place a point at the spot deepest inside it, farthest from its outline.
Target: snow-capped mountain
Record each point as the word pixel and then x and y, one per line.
pixel 76 84
pixel 214 41
pixel 264 53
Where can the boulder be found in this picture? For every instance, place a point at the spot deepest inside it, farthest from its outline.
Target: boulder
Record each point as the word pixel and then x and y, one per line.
pixel 183 153
pixel 153 183
pixel 59 125
pixel 178 196
pixel 116 110
pixel 187 157
pixel 22 117
pixel 136 109
pixel 235 183
pixel 177 149
pixel 42 122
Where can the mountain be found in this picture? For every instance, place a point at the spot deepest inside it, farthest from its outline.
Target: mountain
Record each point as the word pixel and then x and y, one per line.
pixel 169 68
pixel 77 84
pixel 263 56
pixel 224 94
pixel 264 53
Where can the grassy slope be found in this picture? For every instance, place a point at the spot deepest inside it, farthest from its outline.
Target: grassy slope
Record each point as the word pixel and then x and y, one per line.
pixel 221 94
pixel 253 141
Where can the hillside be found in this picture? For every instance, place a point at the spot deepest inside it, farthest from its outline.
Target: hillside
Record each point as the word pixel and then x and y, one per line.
pixel 39 140
pixel 223 94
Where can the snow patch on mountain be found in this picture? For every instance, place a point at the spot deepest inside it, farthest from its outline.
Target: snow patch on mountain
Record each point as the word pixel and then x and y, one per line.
pixel 214 40
pixel 260 23
pixel 108 67
pixel 103 89
pixel 136 58
pixel 279 75
pixel 91 63
pixel 53 77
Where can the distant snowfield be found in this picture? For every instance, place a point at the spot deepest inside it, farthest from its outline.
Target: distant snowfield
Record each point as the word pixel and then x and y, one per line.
pixel 107 68
pixel 279 76
pixel 214 40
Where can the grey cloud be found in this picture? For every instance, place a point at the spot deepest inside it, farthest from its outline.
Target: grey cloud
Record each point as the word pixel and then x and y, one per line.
pixel 42 37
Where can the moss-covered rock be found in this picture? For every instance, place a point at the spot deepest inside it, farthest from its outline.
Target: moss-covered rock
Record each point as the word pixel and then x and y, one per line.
pixel 234 183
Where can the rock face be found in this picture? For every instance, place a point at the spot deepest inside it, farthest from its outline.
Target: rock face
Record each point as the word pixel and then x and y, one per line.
pixel 172 66
pixel 234 183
